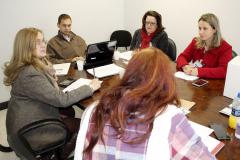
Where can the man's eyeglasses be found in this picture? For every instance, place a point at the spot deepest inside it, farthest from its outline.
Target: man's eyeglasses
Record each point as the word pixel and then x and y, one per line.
pixel 150 23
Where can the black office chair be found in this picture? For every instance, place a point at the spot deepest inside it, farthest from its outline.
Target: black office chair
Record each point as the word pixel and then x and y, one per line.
pixel 172 49
pixel 234 54
pixel 42 137
pixel 5 149
pixel 122 37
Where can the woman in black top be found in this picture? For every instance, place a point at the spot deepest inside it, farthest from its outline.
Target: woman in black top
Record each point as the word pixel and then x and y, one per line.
pixel 151 34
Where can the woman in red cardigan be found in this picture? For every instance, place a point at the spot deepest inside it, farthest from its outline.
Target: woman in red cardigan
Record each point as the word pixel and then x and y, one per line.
pixel 206 56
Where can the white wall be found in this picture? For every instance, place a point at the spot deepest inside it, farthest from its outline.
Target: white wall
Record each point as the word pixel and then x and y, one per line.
pixel 94 20
pixel 180 18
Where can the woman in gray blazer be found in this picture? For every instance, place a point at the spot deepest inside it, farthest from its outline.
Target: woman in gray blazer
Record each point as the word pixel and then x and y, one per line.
pixel 35 94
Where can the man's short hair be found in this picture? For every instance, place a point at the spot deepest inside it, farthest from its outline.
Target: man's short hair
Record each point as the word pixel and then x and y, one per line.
pixel 62 17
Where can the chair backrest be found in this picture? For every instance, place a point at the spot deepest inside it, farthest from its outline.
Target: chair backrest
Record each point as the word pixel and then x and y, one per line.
pixel 122 37
pixel 234 54
pixel 172 49
pixel 43 136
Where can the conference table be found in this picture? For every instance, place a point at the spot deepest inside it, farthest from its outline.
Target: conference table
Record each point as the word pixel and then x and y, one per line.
pixel 209 101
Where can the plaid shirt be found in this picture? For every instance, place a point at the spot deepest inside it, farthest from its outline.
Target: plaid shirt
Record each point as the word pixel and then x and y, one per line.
pixel 183 143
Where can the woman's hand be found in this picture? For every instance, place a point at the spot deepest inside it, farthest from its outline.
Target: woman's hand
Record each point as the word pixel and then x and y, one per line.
pixel 190 70
pixel 95 84
pixel 187 69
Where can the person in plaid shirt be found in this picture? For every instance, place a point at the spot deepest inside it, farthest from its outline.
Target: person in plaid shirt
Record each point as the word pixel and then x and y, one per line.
pixel 138 118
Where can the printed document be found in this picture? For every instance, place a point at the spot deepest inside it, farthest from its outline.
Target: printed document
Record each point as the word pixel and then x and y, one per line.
pixel 61 69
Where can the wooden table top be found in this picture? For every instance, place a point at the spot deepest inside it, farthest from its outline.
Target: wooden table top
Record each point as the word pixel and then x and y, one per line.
pixel 209 101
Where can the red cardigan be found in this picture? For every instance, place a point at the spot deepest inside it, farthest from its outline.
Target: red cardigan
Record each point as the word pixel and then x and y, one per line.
pixel 214 60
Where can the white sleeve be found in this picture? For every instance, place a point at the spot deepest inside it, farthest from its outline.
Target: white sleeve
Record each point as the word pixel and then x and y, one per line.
pixel 78 155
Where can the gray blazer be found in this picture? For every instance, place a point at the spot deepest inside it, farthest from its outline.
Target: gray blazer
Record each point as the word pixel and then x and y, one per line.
pixel 34 97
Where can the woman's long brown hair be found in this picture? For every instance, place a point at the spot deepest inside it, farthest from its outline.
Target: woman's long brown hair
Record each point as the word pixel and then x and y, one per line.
pixel 146 88
pixel 24 54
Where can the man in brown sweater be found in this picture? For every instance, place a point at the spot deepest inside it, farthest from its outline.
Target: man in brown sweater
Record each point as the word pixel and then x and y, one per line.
pixel 66 46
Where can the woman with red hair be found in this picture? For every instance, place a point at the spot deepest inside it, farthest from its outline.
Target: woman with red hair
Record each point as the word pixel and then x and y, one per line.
pixel 138 117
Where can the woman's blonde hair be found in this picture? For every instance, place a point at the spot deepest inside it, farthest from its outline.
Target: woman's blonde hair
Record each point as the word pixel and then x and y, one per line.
pixel 24 54
pixel 212 20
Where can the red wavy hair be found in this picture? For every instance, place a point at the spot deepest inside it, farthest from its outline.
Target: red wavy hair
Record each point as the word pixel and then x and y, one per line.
pixel 146 88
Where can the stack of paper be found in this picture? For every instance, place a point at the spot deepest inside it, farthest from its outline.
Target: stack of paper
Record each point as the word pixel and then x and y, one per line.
pixel 126 55
pixel 61 69
pixel 184 76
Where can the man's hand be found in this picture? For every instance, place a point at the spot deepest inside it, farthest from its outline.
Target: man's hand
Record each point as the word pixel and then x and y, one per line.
pixel 77 58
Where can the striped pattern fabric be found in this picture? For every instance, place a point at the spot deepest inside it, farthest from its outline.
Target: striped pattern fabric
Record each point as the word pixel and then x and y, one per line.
pixel 115 147
pixel 184 143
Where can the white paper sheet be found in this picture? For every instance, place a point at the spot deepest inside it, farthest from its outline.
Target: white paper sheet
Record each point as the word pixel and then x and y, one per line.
pixel 126 55
pixel 211 143
pixel 201 130
pixel 227 111
pixel 184 76
pixel 78 83
pixel 107 70
pixel 61 69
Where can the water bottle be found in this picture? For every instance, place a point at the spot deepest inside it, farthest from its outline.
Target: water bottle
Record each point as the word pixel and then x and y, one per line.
pixel 237 131
pixel 235 114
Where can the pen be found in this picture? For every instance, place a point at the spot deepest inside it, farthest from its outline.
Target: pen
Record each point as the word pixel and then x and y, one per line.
pixel 94 73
